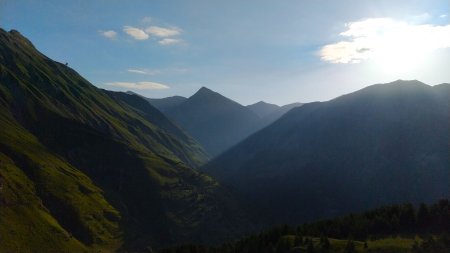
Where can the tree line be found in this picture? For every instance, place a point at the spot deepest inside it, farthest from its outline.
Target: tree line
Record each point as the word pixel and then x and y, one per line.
pixel 431 222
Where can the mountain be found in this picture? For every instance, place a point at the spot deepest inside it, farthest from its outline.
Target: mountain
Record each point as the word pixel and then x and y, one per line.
pixel 269 113
pixel 83 169
pixel 383 144
pixel 166 104
pixel 262 109
pixel 214 120
pixel 272 117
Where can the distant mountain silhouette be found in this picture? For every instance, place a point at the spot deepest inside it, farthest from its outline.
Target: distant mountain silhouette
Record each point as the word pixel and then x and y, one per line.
pixel 386 143
pixel 215 121
pixel 218 122
pixel 263 109
pixel 273 116
pixel 166 104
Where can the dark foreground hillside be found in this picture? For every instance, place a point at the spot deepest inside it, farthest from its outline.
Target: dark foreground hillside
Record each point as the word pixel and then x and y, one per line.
pixel 389 229
pixel 82 169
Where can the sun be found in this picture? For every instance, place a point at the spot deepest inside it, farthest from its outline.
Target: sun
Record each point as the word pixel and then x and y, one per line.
pixel 393 45
pixel 400 52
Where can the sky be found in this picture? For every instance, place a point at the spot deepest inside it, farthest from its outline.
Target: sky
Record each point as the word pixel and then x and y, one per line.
pixel 276 51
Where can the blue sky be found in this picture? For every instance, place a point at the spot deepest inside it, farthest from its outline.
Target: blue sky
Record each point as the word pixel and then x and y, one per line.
pixel 276 51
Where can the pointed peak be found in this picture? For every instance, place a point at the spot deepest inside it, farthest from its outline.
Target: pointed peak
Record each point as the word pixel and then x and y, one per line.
pixel 205 94
pixel 204 89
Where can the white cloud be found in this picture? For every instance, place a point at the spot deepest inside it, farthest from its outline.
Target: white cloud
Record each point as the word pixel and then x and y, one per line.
pixel 377 37
pixel 110 34
pixel 163 32
pixel 149 72
pixel 443 16
pixel 139 85
pixel 136 33
pixel 168 41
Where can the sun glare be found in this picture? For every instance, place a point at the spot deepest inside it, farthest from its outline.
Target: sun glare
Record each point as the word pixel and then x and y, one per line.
pixel 401 49
pixel 395 46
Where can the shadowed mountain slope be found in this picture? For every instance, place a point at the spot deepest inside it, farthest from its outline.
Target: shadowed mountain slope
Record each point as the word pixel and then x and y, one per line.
pixel 166 104
pixel 383 144
pixel 214 120
pixel 263 109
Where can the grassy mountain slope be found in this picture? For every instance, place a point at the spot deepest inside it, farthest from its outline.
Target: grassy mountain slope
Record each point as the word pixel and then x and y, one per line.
pixel 82 168
pixel 193 155
pixel 383 144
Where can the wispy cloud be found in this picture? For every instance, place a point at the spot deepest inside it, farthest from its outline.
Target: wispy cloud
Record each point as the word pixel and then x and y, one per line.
pixel 139 85
pixel 443 16
pixel 110 34
pixel 149 72
pixel 371 37
pixel 169 41
pixel 166 33
pixel 136 33
pixel 162 31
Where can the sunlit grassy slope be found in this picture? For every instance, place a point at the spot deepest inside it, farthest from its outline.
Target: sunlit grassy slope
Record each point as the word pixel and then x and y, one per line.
pixel 84 169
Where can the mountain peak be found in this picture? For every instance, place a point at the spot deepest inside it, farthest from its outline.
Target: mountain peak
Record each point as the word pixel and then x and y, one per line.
pixel 15 35
pixel 401 81
pixel 216 121
pixel 262 108
pixel 262 103
pixel 204 90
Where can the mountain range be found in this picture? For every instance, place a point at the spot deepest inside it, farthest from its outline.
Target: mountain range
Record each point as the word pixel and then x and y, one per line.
pixel 383 144
pixel 216 121
pixel 85 169
pixel 269 113
pixel 165 104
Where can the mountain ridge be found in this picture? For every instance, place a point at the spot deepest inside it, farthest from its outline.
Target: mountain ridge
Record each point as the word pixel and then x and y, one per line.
pixel 321 153
pixel 214 120
pixel 263 109
pixel 83 169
